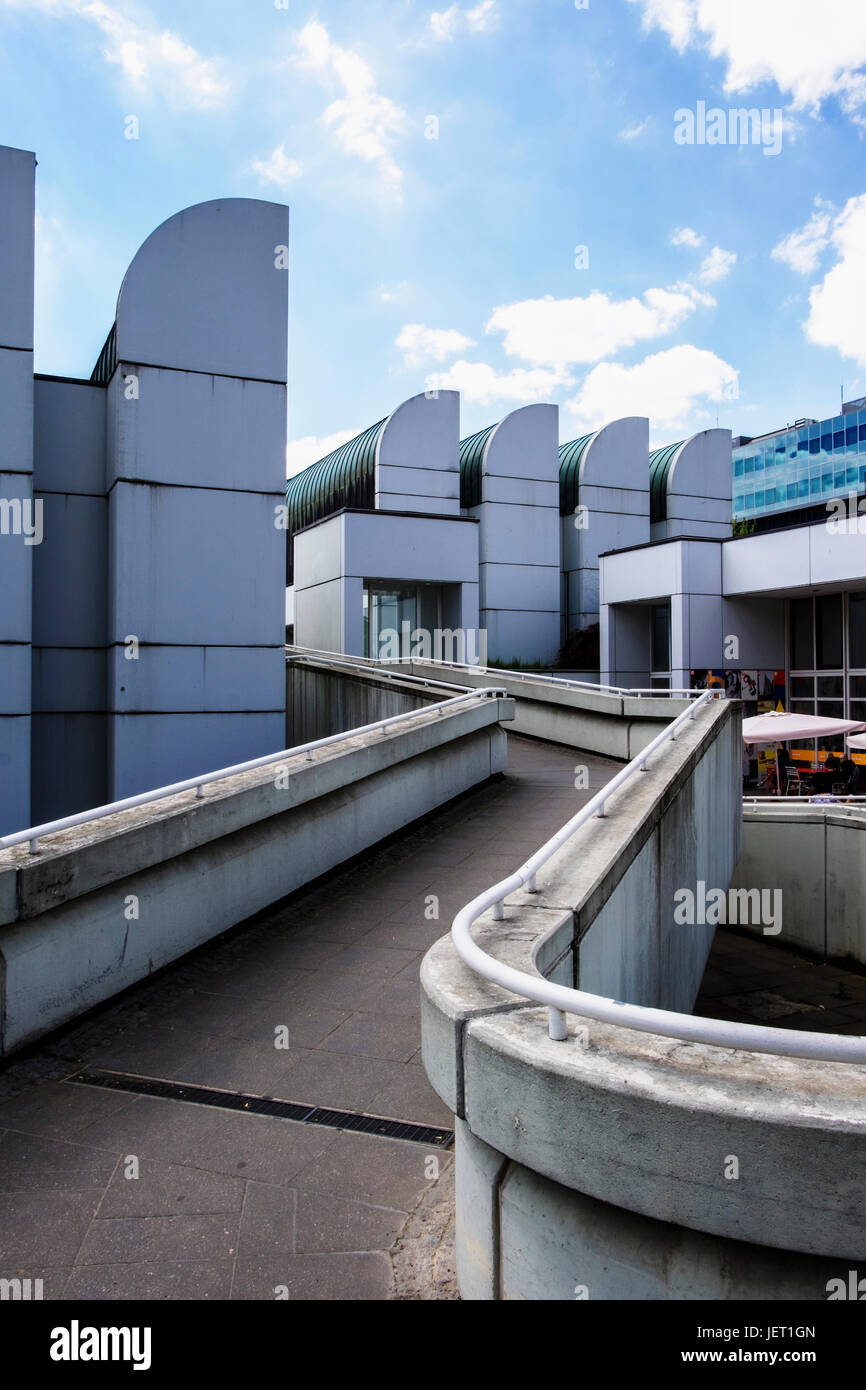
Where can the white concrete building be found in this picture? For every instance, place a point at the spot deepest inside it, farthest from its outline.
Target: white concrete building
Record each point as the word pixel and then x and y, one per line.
pixel 141 634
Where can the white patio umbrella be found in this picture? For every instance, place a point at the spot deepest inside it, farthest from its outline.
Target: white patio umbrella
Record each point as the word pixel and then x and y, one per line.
pixel 777 727
pixel 857 741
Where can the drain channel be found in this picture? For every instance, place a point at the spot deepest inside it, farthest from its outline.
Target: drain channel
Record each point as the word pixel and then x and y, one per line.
pixel 265 1105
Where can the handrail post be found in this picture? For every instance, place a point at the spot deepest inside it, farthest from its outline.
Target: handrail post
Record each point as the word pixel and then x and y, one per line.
pixel 499 911
pixel 557 1025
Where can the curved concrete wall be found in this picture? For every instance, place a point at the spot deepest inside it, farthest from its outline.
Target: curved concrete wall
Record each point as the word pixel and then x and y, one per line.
pixel 620 1164
pixel 614 488
pixel 519 553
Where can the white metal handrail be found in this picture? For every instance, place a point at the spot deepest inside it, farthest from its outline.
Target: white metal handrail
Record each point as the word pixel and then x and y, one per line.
pixel 325 659
pixel 35 833
pixel 674 692
pixel 377 663
pixel 795 803
pixel 561 1000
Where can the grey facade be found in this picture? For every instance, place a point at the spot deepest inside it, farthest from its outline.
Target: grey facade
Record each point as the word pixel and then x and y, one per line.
pixel 142 635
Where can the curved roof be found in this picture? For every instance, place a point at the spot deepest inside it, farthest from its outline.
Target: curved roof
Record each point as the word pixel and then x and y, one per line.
pixel 344 478
pixel 471 454
pixel 570 459
pixel 660 461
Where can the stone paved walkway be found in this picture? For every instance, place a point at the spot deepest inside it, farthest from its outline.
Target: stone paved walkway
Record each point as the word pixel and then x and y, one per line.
pixel 749 980
pixel 232 1205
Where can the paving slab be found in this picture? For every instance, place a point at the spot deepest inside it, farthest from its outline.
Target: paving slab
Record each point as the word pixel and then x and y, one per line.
pixel 237 1205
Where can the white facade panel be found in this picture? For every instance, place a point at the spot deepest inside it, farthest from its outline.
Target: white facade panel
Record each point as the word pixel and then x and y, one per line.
pixel 194 430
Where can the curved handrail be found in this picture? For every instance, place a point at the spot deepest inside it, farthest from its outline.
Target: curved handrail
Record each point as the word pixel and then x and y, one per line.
pixel 561 1000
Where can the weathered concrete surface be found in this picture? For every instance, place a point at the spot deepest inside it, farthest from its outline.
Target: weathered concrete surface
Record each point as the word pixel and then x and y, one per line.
pixel 114 900
pixel 736 1146
pixel 230 1206
pixel 322 701
pixel 612 726
pixel 614 882
pixel 816 855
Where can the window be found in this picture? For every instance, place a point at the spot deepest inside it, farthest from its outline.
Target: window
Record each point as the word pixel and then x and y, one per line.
pixel 857 635
pixel 801 656
pixel 660 621
pixel 828 632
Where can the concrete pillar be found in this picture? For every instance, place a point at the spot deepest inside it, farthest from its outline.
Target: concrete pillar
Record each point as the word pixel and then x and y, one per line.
pixel 520 539
pixel 18 514
pixel 613 512
pixel 195 475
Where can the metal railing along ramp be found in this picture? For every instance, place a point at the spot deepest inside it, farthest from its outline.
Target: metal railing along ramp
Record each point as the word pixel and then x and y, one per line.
pixel 35 833
pixel 561 1000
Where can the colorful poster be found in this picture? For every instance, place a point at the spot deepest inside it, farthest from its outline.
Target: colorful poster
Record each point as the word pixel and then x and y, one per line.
pixel 767 686
pixel 715 680
pixel 749 685
pixel 732 685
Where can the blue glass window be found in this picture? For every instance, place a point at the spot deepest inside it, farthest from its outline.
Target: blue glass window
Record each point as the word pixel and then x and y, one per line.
pixel 814 445
pixel 750 500
pixel 839 479
pixel 738 468
pixel 850 435
pixel 803 487
pixel 814 484
pixel 827 443
pixel 839 439
pixel 750 465
pixel 792 490
pixel 827 482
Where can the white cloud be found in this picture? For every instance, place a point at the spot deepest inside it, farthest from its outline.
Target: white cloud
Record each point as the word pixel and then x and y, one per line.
pixel 480 384
pixel 392 294
pixel 631 132
pixel 447 24
pixel 155 61
pixel 838 304
pixel 555 332
pixel 717 265
pixel 365 122
pixel 803 248
pixel 421 344
pixel 300 453
pixel 277 168
pixel 686 236
pixel 811 51
pixel 671 387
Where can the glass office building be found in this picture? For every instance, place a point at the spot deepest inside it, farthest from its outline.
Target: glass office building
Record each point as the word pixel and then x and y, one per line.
pixel 801 467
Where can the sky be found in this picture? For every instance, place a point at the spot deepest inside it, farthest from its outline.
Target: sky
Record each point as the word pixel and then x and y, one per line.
pixel 517 199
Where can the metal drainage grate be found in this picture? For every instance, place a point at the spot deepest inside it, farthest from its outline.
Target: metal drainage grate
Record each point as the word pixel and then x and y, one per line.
pixel 265 1105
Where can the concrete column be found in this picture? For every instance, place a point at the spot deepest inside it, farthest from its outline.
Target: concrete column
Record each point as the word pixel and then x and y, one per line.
pixel 520 538
pixel 195 474
pixel 18 514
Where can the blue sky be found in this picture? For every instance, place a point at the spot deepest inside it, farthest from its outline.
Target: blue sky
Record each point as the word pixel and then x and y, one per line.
pixel 722 282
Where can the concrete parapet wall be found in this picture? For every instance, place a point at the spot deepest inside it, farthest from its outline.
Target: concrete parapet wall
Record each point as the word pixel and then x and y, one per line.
pixel 197 867
pixel 321 702
pixel 628 1164
pixel 614 726
pixel 816 855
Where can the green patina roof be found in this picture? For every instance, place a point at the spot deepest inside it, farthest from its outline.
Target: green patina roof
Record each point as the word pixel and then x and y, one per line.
pixel 471 454
pixel 345 478
pixel 570 459
pixel 660 461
